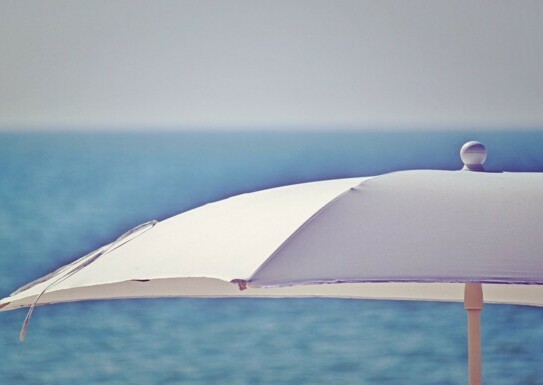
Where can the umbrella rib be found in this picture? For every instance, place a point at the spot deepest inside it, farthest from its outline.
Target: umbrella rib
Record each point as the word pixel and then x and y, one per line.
pixel 242 283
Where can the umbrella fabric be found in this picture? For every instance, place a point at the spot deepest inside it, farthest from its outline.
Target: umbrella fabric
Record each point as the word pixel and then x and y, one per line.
pixel 420 226
pixel 219 241
pixel 405 227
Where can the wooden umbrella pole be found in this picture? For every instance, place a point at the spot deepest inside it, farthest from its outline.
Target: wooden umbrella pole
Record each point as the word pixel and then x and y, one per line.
pixel 473 303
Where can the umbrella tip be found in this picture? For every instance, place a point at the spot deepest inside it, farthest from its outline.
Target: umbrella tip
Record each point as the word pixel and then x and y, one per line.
pixel 242 284
pixel 473 154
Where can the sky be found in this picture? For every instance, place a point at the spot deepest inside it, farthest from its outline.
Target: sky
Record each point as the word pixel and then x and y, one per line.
pixel 295 63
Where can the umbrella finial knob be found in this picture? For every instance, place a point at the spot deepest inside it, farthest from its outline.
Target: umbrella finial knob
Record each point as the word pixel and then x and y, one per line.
pixel 473 154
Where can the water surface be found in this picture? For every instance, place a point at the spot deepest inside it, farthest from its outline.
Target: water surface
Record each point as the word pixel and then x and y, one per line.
pixel 63 195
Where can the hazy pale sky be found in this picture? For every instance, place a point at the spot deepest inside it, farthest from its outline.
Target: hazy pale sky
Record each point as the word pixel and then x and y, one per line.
pixel 271 63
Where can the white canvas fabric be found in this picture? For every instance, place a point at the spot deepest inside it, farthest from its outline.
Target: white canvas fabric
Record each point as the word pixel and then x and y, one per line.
pixel 404 227
pixel 222 240
pixel 420 226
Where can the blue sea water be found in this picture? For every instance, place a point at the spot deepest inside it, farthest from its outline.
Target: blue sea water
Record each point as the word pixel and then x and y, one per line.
pixel 64 194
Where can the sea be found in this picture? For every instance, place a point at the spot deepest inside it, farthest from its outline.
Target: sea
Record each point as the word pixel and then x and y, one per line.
pixel 64 193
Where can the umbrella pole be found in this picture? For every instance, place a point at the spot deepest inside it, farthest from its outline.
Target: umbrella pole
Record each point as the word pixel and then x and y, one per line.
pixel 473 303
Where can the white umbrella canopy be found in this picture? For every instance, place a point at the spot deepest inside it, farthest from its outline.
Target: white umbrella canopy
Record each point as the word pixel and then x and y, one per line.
pixel 380 237
pixel 405 227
